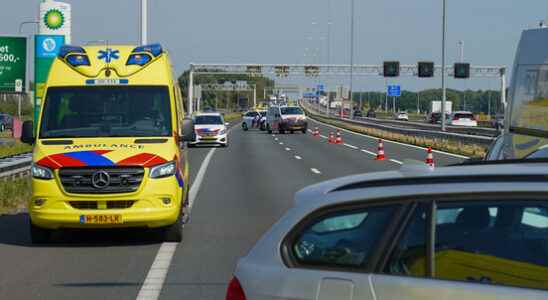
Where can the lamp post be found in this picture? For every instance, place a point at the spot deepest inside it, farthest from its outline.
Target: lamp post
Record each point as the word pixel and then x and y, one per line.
pixel 144 21
pixel 443 89
pixel 351 53
pixel 27 66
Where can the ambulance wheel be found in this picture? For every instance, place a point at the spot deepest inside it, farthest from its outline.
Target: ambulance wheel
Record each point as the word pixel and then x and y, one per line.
pixel 39 235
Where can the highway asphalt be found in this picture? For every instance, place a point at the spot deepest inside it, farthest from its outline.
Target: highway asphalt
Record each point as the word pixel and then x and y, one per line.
pixel 246 188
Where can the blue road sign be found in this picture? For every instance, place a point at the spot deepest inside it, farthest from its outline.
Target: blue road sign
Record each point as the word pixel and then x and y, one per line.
pixel 394 91
pixel 48 45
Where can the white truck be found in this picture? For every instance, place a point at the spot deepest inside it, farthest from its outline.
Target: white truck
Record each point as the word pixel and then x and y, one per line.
pixel 526 121
pixel 435 107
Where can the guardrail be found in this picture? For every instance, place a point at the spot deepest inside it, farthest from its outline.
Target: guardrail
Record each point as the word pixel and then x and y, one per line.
pixel 481 131
pixel 16 165
pixel 483 141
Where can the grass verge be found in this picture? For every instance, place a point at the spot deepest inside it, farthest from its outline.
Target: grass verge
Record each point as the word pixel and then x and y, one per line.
pixel 470 150
pixel 14 194
pixel 14 148
pixel 229 117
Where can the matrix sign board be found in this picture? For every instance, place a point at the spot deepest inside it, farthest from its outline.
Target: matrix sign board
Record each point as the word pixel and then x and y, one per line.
pixel 13 62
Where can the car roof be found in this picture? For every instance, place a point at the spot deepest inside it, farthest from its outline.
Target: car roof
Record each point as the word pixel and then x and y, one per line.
pixel 414 174
pixel 208 114
pixel 462 112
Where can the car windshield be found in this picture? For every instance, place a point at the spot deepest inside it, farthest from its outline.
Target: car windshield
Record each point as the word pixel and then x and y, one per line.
pixel 464 116
pixel 291 111
pixel 208 120
pixel 113 111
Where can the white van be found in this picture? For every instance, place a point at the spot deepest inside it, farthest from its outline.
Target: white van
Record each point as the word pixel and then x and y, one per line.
pixel 526 122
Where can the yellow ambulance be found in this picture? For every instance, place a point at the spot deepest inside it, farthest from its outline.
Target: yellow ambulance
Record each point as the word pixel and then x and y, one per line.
pixel 109 143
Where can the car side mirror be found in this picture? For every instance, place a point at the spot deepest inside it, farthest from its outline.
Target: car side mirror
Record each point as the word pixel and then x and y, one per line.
pixel 227 124
pixel 189 135
pixel 27 135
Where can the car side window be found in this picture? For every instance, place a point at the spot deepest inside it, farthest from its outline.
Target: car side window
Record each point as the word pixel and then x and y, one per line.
pixel 342 239
pixel 493 243
pixel 409 256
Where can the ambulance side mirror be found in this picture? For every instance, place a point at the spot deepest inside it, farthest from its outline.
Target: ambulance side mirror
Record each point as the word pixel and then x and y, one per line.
pixel 189 135
pixel 27 134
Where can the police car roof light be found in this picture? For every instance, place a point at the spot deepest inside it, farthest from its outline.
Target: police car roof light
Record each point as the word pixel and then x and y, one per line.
pixel 154 49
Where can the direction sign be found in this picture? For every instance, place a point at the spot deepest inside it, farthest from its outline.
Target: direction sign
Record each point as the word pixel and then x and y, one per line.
pixel 13 60
pixel 394 91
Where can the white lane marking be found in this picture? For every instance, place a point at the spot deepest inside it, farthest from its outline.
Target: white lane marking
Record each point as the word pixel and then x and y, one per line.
pixel 316 171
pixel 281 143
pixel 393 142
pixel 275 139
pixel 273 135
pixel 396 161
pixel 369 152
pixel 309 130
pixel 351 146
pixel 287 149
pixel 323 136
pixel 152 286
pixel 298 157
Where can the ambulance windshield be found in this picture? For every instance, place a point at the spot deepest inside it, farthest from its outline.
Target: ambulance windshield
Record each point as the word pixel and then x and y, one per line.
pixel 101 111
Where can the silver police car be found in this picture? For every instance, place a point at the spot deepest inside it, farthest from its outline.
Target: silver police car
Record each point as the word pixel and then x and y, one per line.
pixel 476 231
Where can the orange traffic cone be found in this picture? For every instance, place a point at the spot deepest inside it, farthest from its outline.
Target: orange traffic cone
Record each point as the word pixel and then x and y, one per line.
pixel 380 151
pixel 338 140
pixel 430 157
pixel 331 138
pixel 316 132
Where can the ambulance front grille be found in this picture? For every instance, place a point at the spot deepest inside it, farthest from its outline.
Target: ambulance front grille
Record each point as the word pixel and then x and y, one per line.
pixel 120 180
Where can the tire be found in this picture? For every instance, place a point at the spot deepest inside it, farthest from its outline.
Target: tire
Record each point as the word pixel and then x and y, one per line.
pixel 281 131
pixel 303 131
pixel 174 232
pixel 292 131
pixel 244 126
pixel 268 129
pixel 39 235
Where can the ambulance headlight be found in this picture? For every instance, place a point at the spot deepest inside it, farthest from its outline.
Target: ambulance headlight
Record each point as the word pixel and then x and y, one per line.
pixel 76 60
pixel 164 170
pixel 40 172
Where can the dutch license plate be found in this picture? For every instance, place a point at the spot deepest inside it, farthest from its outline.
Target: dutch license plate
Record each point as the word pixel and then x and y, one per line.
pixel 101 219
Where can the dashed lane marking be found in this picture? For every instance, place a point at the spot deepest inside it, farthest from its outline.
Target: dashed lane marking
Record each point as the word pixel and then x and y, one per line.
pixel 298 157
pixel 315 171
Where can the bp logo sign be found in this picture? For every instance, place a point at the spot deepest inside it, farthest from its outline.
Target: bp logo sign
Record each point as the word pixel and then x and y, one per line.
pixel 54 19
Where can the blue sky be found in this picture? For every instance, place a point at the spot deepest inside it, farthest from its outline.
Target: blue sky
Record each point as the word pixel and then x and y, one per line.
pixel 260 31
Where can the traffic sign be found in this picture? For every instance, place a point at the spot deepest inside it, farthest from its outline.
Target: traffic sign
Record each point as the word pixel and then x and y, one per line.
pixel 394 91
pixel 13 60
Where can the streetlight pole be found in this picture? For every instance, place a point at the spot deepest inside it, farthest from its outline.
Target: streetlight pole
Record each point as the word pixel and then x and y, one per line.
pixel 144 21
pixel 351 54
pixel 27 63
pixel 444 91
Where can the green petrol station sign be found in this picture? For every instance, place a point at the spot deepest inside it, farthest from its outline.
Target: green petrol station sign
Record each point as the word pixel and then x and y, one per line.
pixel 13 64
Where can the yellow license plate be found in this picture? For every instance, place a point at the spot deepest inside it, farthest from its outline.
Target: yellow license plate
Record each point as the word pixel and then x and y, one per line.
pixel 101 219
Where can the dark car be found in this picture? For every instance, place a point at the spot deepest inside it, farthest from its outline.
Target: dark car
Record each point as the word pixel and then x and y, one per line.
pixel 6 122
pixel 371 113
pixel 358 113
pixel 435 118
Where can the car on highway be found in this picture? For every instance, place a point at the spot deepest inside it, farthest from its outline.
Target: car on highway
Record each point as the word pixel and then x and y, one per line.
pixel 415 233
pixel 254 119
pixel 286 118
pixel 211 129
pixel 435 117
pixel 462 118
pixel 108 146
pixel 6 122
pixel 401 116
pixel 357 113
pixel 249 119
pixel 497 122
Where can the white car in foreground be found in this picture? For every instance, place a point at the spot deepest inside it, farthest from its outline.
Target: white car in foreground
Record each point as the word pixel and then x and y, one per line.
pixel 462 118
pixel 210 129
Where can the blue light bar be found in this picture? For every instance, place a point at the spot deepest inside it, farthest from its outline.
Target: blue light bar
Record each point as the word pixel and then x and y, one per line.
pixel 138 59
pixel 68 49
pixel 76 60
pixel 154 49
